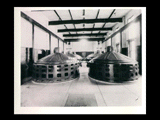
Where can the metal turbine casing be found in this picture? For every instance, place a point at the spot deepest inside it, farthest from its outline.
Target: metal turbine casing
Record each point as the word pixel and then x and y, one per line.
pixel 75 57
pixel 93 55
pixel 112 67
pixel 54 68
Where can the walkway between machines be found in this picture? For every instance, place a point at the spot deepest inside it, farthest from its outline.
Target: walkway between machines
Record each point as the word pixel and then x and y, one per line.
pixel 80 92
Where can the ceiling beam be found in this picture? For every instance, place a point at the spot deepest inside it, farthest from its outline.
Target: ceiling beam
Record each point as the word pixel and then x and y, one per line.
pixel 25 16
pixel 96 18
pixel 108 18
pixel 88 39
pixel 76 35
pixel 72 19
pixel 60 19
pixel 84 29
pixel 83 12
pixel 84 21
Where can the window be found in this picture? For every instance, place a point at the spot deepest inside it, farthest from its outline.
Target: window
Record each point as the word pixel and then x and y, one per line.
pixel 41 39
pixel 117 47
pixel 131 48
pixel 54 43
pixel 60 46
pixel 26 33
pixel 116 43
pixel 133 34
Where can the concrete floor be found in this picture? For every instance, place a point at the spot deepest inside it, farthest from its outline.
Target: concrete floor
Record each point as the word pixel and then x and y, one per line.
pixel 81 92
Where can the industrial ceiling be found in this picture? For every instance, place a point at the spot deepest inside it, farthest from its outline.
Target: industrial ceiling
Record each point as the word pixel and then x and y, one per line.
pixel 91 24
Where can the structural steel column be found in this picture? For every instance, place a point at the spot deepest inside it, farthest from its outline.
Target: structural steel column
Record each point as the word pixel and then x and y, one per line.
pixel 58 45
pixel 33 41
pixel 63 46
pixel 121 41
pixel 50 42
pixel 111 41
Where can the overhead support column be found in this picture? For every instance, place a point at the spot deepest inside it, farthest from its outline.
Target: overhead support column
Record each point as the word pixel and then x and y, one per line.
pixel 50 42
pixel 58 45
pixel 63 46
pixel 121 41
pixel 32 21
pixel 111 41
pixel 33 42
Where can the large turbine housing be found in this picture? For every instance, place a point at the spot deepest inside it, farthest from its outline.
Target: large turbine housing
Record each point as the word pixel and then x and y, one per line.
pixel 55 67
pixel 112 67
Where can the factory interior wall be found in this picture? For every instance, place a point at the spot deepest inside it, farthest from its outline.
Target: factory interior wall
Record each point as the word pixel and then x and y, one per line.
pixel 107 43
pixel 81 46
pixel 103 46
pixel 85 47
pixel 43 20
pixel 129 39
pixel 26 45
pixel 41 39
pixel 26 33
pixel 31 51
pixel 54 43
pixel 116 43
pixel 41 42
pixel 60 46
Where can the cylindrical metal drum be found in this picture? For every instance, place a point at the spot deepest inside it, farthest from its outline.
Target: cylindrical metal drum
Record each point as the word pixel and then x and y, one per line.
pixel 112 67
pixel 54 68
pixel 74 57
pixel 77 56
pixel 91 56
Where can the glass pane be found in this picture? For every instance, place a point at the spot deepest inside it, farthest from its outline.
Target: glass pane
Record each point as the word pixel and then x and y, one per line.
pixel 41 39
pixel 26 33
pixel 54 43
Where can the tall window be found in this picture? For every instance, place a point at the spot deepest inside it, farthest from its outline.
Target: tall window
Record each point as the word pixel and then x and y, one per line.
pixel 60 46
pixel 116 43
pixel 107 43
pixel 26 33
pixel 117 47
pixel 131 48
pixel 41 39
pixel 132 40
pixel 54 43
pixel 26 39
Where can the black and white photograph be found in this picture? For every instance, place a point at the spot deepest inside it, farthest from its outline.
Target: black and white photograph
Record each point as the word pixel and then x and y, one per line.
pixel 79 60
